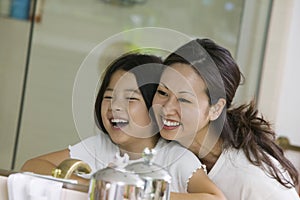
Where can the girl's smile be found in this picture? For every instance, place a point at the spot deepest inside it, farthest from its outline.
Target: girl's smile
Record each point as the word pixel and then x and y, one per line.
pixel 124 112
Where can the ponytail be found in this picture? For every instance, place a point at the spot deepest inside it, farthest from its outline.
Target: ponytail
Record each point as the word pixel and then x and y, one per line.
pixel 254 135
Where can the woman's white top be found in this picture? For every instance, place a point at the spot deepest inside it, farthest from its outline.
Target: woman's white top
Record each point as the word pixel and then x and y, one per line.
pixel 241 180
pixel 99 151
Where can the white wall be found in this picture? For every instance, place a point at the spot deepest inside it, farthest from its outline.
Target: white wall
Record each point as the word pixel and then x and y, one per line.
pixel 279 94
pixel 287 122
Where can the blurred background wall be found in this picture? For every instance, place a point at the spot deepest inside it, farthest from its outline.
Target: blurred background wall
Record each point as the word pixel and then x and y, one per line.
pixel 39 59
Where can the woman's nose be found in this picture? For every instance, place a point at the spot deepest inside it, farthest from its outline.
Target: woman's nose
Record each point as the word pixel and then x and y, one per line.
pixel 170 106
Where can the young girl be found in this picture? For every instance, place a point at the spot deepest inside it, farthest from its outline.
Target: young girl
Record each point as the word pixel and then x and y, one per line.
pixel 122 111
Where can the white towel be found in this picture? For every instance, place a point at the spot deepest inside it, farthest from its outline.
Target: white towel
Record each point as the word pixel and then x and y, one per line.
pixel 26 187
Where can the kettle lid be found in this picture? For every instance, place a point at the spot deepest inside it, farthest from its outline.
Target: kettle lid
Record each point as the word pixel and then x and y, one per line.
pixel 147 169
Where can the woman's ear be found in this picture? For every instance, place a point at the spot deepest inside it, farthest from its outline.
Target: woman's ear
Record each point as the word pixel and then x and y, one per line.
pixel 216 109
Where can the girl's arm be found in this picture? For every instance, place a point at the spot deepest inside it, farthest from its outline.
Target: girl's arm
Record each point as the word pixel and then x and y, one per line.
pixel 45 163
pixel 200 187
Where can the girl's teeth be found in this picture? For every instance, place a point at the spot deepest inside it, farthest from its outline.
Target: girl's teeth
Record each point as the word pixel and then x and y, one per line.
pixel 169 123
pixel 119 121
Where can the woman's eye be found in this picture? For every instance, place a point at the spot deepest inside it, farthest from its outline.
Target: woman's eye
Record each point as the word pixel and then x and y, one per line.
pixel 183 100
pixel 161 92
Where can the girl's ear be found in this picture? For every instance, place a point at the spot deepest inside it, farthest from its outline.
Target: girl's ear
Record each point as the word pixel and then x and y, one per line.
pixel 216 109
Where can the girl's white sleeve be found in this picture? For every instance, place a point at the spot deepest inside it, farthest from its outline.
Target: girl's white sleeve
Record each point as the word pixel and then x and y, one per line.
pixel 181 164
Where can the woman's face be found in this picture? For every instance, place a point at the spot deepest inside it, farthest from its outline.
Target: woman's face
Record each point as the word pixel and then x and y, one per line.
pixel 124 112
pixel 181 104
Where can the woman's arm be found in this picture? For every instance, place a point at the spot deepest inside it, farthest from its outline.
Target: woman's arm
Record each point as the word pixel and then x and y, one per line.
pixel 200 187
pixel 45 163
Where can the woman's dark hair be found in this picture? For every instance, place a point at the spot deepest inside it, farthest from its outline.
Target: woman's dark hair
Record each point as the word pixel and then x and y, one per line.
pixel 147 70
pixel 242 127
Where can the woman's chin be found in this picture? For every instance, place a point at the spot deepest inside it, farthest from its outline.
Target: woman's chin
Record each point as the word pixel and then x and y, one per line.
pixel 168 135
pixel 184 141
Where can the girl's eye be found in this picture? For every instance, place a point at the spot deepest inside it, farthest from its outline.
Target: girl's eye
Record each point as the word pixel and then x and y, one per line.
pixel 183 100
pixel 132 98
pixel 161 92
pixel 107 97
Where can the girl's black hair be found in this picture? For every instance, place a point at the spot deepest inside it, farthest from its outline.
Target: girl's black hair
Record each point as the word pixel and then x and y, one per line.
pixel 147 70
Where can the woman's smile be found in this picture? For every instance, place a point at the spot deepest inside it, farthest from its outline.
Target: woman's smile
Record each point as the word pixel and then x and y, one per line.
pixel 170 124
pixel 181 109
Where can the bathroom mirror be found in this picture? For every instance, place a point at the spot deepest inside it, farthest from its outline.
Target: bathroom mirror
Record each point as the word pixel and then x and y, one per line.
pixel 68 30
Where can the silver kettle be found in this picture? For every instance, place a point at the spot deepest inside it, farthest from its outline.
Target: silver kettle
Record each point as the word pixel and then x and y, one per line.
pixel 113 183
pixel 156 179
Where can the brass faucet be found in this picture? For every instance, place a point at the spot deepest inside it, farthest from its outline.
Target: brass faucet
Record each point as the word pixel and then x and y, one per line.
pixel 285 144
pixel 70 166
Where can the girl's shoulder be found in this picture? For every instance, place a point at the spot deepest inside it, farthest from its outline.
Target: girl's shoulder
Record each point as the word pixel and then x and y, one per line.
pixel 173 152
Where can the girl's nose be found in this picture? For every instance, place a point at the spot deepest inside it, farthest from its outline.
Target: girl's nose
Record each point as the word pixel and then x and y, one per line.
pixel 117 105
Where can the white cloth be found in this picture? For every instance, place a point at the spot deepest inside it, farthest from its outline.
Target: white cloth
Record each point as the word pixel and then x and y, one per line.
pixel 26 187
pixel 241 180
pixel 98 151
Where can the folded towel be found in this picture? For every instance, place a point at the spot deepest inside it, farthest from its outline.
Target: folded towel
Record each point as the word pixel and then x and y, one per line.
pixel 26 187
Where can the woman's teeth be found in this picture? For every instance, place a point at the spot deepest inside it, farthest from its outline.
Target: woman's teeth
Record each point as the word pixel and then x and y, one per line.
pixel 170 123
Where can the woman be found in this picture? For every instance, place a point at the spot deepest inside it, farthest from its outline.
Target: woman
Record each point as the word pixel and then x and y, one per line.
pixel 193 105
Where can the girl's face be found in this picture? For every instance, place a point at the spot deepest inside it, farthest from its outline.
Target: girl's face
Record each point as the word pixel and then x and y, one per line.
pixel 124 112
pixel 181 104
